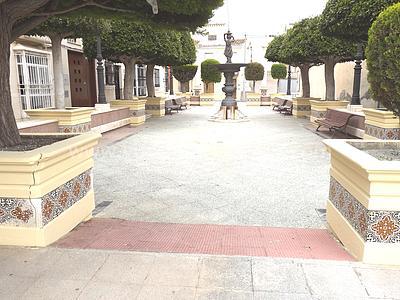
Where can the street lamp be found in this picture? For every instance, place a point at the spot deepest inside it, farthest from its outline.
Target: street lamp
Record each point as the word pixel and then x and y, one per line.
pixel 100 73
pixel 289 82
pixel 355 99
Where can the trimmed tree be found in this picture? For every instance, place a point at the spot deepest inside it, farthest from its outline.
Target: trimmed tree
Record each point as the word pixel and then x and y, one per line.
pixel 57 29
pixel 299 50
pixel 383 58
pixel 184 73
pixel 254 72
pixel 209 72
pixel 18 17
pixel 278 72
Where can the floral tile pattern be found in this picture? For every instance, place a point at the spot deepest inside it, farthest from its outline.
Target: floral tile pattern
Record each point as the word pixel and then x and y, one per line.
pixel 62 198
pixel 371 225
pixel 17 212
pixel 302 107
pixel 382 133
pixel 318 114
pixel 22 212
pixel 79 128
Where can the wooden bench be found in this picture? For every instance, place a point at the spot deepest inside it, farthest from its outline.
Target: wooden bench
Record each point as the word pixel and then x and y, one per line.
pixel 180 103
pixel 170 106
pixel 286 108
pixel 278 102
pixel 335 120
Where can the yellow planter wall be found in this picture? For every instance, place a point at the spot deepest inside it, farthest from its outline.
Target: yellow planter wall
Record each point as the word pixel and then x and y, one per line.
pixel 70 119
pixel 382 125
pixel 47 191
pixel 253 99
pixel 302 107
pixel 364 203
pixel 155 106
pixel 136 107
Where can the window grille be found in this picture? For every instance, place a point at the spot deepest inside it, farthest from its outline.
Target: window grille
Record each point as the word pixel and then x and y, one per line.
pixel 34 82
pixel 157 78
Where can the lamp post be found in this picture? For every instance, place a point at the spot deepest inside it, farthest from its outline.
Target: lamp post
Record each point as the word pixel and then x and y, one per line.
pixel 100 73
pixel 355 99
pixel 289 82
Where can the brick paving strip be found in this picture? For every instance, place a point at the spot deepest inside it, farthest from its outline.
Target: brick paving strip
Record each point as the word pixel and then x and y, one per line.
pixel 116 234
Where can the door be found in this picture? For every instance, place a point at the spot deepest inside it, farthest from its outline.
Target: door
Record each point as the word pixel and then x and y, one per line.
pixel 117 82
pixel 82 82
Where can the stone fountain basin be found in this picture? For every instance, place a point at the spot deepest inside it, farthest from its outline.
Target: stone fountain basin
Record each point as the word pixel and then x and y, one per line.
pixel 230 67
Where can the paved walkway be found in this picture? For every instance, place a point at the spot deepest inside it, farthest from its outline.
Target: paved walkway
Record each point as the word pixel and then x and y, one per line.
pixel 270 171
pixel 53 273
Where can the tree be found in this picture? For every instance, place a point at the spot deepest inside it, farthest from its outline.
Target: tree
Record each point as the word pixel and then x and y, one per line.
pixel 298 49
pixel 184 73
pixel 209 72
pixel 18 17
pixel 255 72
pixel 273 52
pixel 383 58
pixel 57 29
pixel 278 71
pixel 351 19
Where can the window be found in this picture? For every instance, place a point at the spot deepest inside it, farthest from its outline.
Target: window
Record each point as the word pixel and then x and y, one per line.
pixel 140 87
pixel 157 77
pixel 212 37
pixel 166 79
pixel 34 82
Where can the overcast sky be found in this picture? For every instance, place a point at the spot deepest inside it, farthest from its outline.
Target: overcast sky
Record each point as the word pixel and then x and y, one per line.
pixel 261 17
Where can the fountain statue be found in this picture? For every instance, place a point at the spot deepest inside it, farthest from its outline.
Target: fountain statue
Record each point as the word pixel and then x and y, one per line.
pixel 229 108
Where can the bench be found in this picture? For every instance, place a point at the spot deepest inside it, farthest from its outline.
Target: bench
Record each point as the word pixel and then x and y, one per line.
pixel 180 103
pixel 170 106
pixel 335 120
pixel 286 108
pixel 278 102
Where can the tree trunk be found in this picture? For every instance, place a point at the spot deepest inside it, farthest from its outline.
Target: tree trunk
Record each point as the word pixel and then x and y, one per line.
pixel 129 77
pixel 277 87
pixel 58 71
pixel 9 134
pixel 305 80
pixel 254 86
pixel 150 81
pixel 330 79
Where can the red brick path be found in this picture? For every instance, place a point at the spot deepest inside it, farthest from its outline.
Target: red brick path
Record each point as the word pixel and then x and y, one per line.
pixel 205 239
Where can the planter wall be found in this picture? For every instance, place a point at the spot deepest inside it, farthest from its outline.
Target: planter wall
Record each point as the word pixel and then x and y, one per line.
pixel 70 120
pixel 195 101
pixel 46 192
pixel 253 99
pixel 319 108
pixel 207 99
pixel 363 209
pixel 155 106
pixel 381 124
pixel 137 110
pixel 302 107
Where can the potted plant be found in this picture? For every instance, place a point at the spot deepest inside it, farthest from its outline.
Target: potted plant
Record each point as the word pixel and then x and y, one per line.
pixel 209 75
pixel 254 72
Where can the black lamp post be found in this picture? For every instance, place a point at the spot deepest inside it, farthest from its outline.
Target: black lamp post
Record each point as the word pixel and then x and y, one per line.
pixel 289 82
pixel 355 100
pixel 100 73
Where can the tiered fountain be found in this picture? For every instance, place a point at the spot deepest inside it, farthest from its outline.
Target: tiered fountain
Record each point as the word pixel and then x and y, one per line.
pixel 229 107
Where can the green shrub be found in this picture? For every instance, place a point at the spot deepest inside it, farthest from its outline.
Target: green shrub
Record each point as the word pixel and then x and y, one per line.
pixel 383 58
pixel 184 73
pixel 209 72
pixel 278 71
pixel 254 71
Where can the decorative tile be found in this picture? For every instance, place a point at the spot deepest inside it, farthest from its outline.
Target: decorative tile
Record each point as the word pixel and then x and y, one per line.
pixel 62 198
pixel 155 106
pixel 382 133
pixel 22 212
pixel 17 212
pixel 318 114
pixel 297 107
pixel 79 128
pixel 372 225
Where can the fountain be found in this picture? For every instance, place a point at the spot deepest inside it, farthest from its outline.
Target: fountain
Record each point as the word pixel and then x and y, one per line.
pixel 229 108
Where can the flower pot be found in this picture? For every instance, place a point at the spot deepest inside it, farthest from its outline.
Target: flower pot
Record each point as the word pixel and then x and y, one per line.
pixel 46 192
pixel 363 209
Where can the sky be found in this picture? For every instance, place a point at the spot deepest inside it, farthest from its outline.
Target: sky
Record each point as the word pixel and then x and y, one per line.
pixel 265 17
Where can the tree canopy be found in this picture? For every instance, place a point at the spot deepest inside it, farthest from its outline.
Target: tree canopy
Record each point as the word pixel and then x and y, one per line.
pixel 209 72
pixel 273 51
pixel 383 58
pixel 184 73
pixel 351 19
pixel 278 71
pixel 254 71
